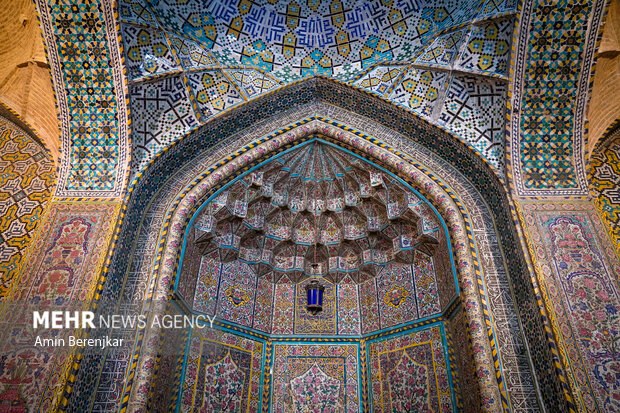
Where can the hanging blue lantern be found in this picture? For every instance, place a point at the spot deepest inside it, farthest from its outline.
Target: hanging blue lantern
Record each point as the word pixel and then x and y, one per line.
pixel 314 292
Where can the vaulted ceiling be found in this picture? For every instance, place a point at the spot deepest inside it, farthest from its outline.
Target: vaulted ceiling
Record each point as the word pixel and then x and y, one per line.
pixel 447 61
pixel 317 211
pixel 510 81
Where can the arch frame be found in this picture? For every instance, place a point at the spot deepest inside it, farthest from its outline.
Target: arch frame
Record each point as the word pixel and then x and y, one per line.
pixel 207 184
pixel 500 217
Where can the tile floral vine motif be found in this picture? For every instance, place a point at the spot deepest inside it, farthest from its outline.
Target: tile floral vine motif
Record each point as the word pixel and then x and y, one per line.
pixel 410 372
pixel 577 266
pixel 71 242
pixel 223 372
pixel 315 391
pixel 315 377
pixel 408 385
pixel 27 178
pixel 223 387
pixel 605 184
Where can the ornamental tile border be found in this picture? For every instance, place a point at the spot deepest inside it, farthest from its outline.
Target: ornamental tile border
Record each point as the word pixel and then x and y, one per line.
pixel 89 167
pixel 191 196
pixel 538 174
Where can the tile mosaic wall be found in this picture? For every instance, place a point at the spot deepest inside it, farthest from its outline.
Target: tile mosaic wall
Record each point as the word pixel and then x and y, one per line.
pixel 410 373
pixel 605 186
pixel 161 112
pixel 475 109
pixel 554 58
pixel 223 373
pixel 396 295
pixel 338 39
pixel 197 154
pixel 307 377
pixel 443 51
pixel 83 50
pixel 72 241
pixel 322 323
pixel 167 386
pixel 262 227
pixel 577 270
pixel 233 292
pixel 349 320
pixel 456 328
pixel 420 90
pixel 252 48
pixel 27 179
pixel 487 48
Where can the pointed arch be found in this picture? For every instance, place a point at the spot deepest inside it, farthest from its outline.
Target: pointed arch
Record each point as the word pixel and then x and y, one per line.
pixel 179 183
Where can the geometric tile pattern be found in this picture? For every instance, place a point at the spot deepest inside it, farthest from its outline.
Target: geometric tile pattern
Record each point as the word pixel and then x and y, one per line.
pixel 27 177
pixel 214 92
pixel 475 109
pixel 605 186
pixel 380 79
pixel 190 53
pixel 84 54
pixel 251 82
pixel 259 46
pixel 161 112
pixel 554 57
pixel 488 48
pixel 136 11
pixel 147 52
pixel 443 51
pixel 496 8
pixel 337 38
pixel 419 90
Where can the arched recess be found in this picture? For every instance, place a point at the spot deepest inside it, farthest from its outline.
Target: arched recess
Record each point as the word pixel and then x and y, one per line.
pixel 493 272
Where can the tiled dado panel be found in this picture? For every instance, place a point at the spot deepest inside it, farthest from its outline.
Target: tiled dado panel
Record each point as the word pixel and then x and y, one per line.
pixel 61 269
pixel 577 270
pixel 315 377
pixel 223 373
pixel 410 372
